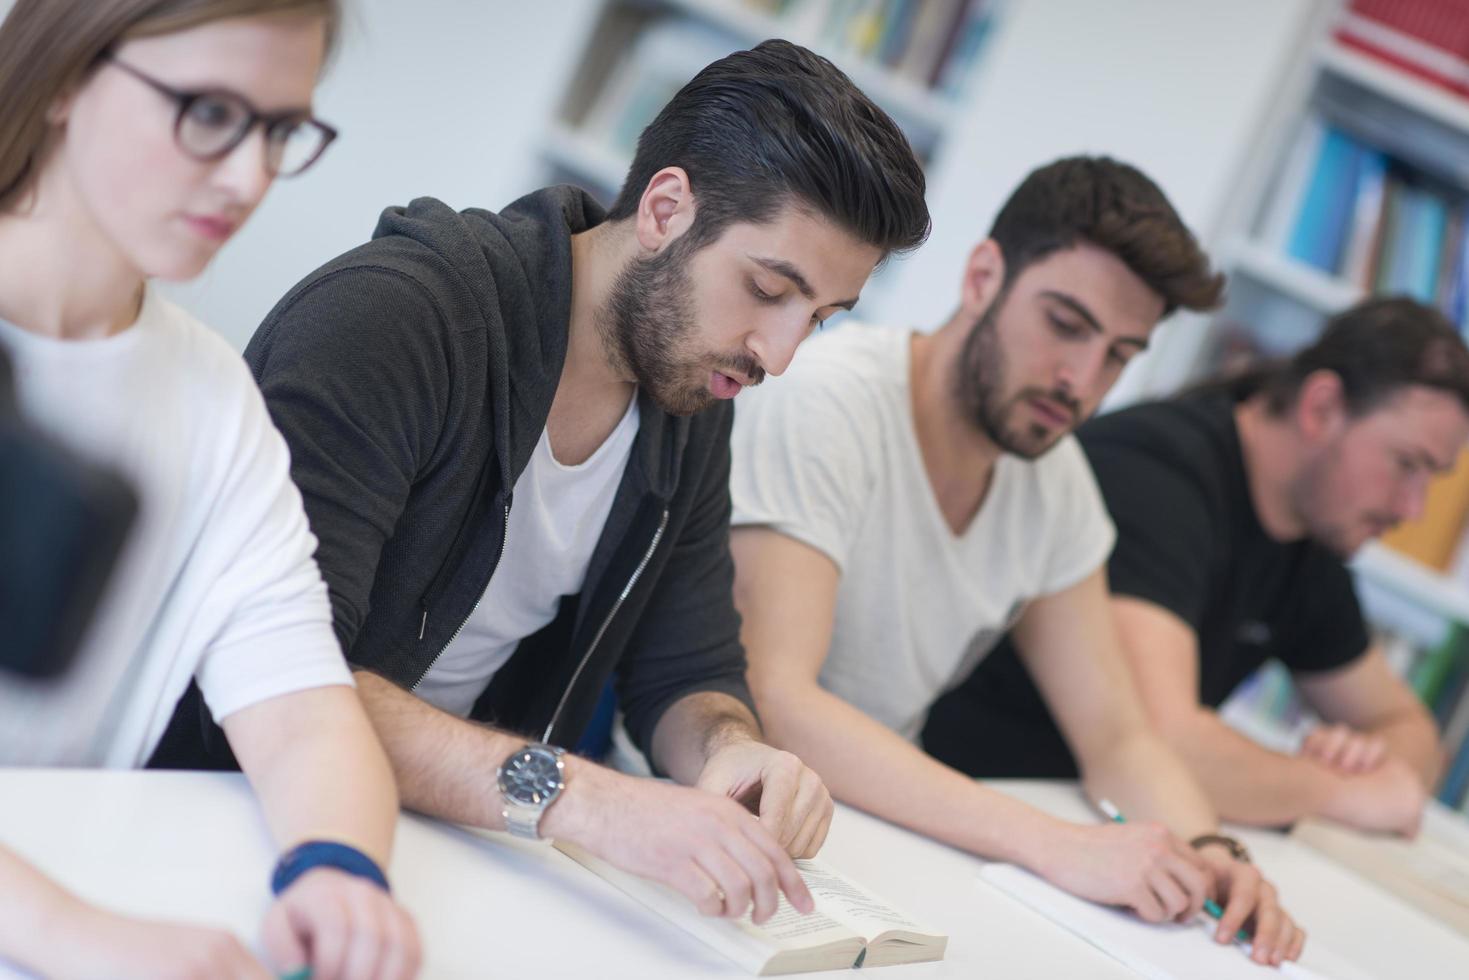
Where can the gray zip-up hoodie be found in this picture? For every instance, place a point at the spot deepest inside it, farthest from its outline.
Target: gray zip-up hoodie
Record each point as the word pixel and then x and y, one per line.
pixel 412 378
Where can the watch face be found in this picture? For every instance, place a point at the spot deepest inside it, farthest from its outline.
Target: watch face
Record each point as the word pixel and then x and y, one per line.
pixel 531 777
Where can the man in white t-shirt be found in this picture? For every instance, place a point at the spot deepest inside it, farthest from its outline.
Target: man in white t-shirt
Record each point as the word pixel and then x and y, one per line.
pixel 903 499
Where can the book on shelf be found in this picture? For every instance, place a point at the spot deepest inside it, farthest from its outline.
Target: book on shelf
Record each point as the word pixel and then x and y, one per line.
pixel 1430 872
pixel 931 43
pixel 1453 790
pixel 1354 213
pixel 1428 39
pixel 1321 225
pixel 849 928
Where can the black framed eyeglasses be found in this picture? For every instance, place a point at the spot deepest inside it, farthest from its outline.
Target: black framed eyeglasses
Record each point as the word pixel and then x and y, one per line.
pixel 212 122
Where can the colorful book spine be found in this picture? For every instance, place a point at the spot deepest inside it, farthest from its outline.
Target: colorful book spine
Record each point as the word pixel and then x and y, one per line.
pixel 1323 220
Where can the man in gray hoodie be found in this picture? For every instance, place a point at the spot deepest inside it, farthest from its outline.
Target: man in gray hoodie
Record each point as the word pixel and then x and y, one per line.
pixel 512 435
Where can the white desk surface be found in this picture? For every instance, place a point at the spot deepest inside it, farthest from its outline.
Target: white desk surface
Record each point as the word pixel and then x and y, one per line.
pixel 1358 921
pixel 192 847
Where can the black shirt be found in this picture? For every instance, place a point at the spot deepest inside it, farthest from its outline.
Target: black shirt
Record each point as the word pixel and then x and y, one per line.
pixel 1188 539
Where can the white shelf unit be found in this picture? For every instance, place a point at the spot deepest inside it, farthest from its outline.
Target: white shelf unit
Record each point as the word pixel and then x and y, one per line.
pixel 1413 120
pixel 1411 579
pixel 1408 91
pixel 1326 294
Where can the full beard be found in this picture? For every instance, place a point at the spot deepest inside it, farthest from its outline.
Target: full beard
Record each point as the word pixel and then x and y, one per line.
pixel 980 388
pixel 647 328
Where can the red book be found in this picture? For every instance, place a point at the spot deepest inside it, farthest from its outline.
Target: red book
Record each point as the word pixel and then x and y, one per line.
pixel 1426 38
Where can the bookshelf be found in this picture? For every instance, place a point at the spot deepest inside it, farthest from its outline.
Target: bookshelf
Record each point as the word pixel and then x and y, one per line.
pixel 913 59
pixel 1365 190
pixel 1279 298
pixel 1404 90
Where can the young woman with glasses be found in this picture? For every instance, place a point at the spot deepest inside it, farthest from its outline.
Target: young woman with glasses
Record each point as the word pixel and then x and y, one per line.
pixel 137 136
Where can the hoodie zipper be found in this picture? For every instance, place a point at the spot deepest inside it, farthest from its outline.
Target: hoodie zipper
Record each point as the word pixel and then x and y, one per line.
pixel 423 623
pixel 606 622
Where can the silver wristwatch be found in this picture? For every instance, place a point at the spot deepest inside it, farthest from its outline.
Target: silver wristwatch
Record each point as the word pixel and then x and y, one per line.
pixel 530 780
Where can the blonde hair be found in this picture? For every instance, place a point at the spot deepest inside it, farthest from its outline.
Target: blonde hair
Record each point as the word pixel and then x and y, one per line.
pixel 47 48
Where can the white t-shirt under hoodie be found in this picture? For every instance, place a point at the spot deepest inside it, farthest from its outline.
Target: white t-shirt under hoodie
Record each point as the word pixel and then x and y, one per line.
pixel 556 520
pixel 828 455
pixel 216 581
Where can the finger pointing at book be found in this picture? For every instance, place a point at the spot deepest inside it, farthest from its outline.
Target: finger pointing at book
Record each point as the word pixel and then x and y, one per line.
pixel 702 845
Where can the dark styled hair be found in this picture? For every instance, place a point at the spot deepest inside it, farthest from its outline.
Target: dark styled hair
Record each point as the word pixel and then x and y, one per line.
pixel 779 125
pixel 1115 207
pixel 1377 348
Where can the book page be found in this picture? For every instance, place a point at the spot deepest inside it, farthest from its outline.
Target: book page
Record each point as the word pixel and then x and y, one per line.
pixel 789 929
pixel 1167 951
pixel 852 905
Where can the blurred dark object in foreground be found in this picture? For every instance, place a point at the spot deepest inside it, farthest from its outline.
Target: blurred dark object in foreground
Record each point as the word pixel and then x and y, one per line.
pixel 62 523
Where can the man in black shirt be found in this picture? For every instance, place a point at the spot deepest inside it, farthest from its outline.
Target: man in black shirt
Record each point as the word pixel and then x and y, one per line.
pixel 1235 506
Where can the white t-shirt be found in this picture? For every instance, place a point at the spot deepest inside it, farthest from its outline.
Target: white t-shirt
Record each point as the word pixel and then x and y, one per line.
pixel 556 519
pixel 216 580
pixel 828 455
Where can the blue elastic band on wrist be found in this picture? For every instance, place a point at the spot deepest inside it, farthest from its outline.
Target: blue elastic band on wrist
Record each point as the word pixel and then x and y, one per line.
pixel 324 854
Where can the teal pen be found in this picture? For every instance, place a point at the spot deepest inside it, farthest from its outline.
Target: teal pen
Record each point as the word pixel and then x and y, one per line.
pixel 302 974
pixel 1210 906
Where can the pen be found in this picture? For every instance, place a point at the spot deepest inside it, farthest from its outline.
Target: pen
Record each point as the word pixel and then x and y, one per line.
pixel 302 974
pixel 1210 906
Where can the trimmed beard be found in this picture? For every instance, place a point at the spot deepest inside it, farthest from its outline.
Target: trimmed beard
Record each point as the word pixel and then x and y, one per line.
pixel 647 328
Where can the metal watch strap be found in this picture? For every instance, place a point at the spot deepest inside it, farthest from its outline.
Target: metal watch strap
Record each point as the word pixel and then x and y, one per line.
pixel 523 821
pixel 1235 848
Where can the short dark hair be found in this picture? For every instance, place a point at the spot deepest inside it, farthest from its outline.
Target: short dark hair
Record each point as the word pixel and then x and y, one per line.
pixel 1377 348
pixel 777 125
pixel 1116 207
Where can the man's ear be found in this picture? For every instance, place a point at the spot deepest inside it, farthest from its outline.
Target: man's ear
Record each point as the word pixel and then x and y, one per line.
pixel 666 209
pixel 1320 411
pixel 984 278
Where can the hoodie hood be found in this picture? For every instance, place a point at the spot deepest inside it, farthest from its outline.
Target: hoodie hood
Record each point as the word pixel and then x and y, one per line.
pixel 516 264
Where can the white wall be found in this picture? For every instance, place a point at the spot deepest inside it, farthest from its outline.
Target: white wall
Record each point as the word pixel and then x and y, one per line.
pixel 449 98
pixel 440 97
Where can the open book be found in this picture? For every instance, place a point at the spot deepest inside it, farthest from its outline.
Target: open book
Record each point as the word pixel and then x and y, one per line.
pixel 849 927
pixel 1431 872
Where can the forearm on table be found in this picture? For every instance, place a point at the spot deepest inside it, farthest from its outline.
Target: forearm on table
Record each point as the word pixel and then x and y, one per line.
pixel 318 769
pixel 869 766
pixel 1147 780
pixel 694 727
pixel 1247 782
pixel 1413 738
pixel 445 766
pixel 38 910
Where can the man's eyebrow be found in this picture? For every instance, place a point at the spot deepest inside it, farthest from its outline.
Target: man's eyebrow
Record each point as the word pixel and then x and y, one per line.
pixel 1077 307
pixel 783 268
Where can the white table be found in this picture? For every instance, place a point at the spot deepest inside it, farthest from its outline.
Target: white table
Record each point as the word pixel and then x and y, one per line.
pixel 192 846
pixel 1378 932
